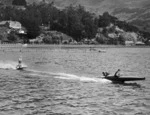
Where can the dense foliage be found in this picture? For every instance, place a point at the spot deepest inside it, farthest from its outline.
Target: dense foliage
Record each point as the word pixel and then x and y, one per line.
pixel 106 19
pixel 19 2
pixel 73 21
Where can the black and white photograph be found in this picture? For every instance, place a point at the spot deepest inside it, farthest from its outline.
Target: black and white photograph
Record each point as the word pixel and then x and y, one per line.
pixel 74 57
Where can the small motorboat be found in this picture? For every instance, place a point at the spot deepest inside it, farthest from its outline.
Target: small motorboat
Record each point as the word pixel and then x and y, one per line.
pixel 20 67
pixel 123 79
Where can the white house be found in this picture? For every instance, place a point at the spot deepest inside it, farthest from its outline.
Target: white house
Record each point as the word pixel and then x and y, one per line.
pixel 14 25
pixel 129 43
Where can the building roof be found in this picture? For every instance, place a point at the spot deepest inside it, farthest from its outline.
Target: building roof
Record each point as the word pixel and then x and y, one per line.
pixel 3 22
pixel 140 43
pixel 12 24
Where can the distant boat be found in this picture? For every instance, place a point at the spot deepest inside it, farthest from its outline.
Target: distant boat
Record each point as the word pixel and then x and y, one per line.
pixel 99 50
pixel 20 68
pixel 103 51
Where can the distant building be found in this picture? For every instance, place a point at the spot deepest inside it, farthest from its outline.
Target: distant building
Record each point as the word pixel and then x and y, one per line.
pixel 139 43
pixel 129 43
pixel 130 38
pixel 13 25
pixel 6 27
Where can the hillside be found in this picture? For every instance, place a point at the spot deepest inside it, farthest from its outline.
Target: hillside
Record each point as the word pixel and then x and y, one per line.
pixel 135 11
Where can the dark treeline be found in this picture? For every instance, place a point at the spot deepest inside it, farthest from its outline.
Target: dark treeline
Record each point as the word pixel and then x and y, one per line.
pixel 73 21
pixel 19 2
pixel 105 20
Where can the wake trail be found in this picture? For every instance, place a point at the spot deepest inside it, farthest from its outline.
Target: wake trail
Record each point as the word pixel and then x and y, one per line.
pixel 81 78
pixel 67 76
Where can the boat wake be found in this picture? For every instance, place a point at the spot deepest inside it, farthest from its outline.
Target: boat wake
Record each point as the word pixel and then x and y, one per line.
pixel 12 65
pixel 66 76
pixel 9 65
pixel 81 78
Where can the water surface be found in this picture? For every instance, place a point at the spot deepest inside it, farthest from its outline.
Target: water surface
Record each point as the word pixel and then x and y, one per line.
pixel 69 82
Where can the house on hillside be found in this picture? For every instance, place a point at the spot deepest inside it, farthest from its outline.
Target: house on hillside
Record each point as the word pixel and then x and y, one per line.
pixel 139 43
pixel 130 38
pixel 13 26
pixel 129 43
pixel 16 26
pixel 8 27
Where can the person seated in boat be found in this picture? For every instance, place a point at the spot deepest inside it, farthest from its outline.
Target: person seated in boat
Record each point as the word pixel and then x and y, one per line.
pixel 117 74
pixel 105 74
pixel 19 63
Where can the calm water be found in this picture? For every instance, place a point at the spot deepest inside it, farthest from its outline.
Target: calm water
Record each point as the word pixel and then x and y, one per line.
pixel 68 82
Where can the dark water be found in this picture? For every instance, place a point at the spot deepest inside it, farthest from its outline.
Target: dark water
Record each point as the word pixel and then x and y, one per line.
pixel 68 82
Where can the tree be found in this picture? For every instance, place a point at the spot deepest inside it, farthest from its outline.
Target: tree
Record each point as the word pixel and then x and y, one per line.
pixel 106 19
pixel 80 23
pixel 48 11
pixel 12 37
pixel 48 40
pixel 70 22
pixel 31 20
pixel 121 40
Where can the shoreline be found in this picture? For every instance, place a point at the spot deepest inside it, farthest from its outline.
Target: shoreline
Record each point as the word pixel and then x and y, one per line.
pixel 66 46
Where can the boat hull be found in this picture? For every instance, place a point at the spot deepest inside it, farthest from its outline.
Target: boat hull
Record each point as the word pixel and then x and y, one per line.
pixel 123 79
pixel 20 68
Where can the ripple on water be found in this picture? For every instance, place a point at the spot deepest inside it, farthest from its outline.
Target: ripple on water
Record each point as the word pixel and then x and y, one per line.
pixel 66 82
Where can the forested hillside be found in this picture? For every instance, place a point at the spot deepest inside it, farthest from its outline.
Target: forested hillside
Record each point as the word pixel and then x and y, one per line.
pixel 73 20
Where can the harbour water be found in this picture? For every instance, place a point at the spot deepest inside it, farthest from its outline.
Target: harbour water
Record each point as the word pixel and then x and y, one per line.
pixel 69 82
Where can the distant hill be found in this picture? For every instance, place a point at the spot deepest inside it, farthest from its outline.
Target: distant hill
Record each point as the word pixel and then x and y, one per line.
pixel 136 12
